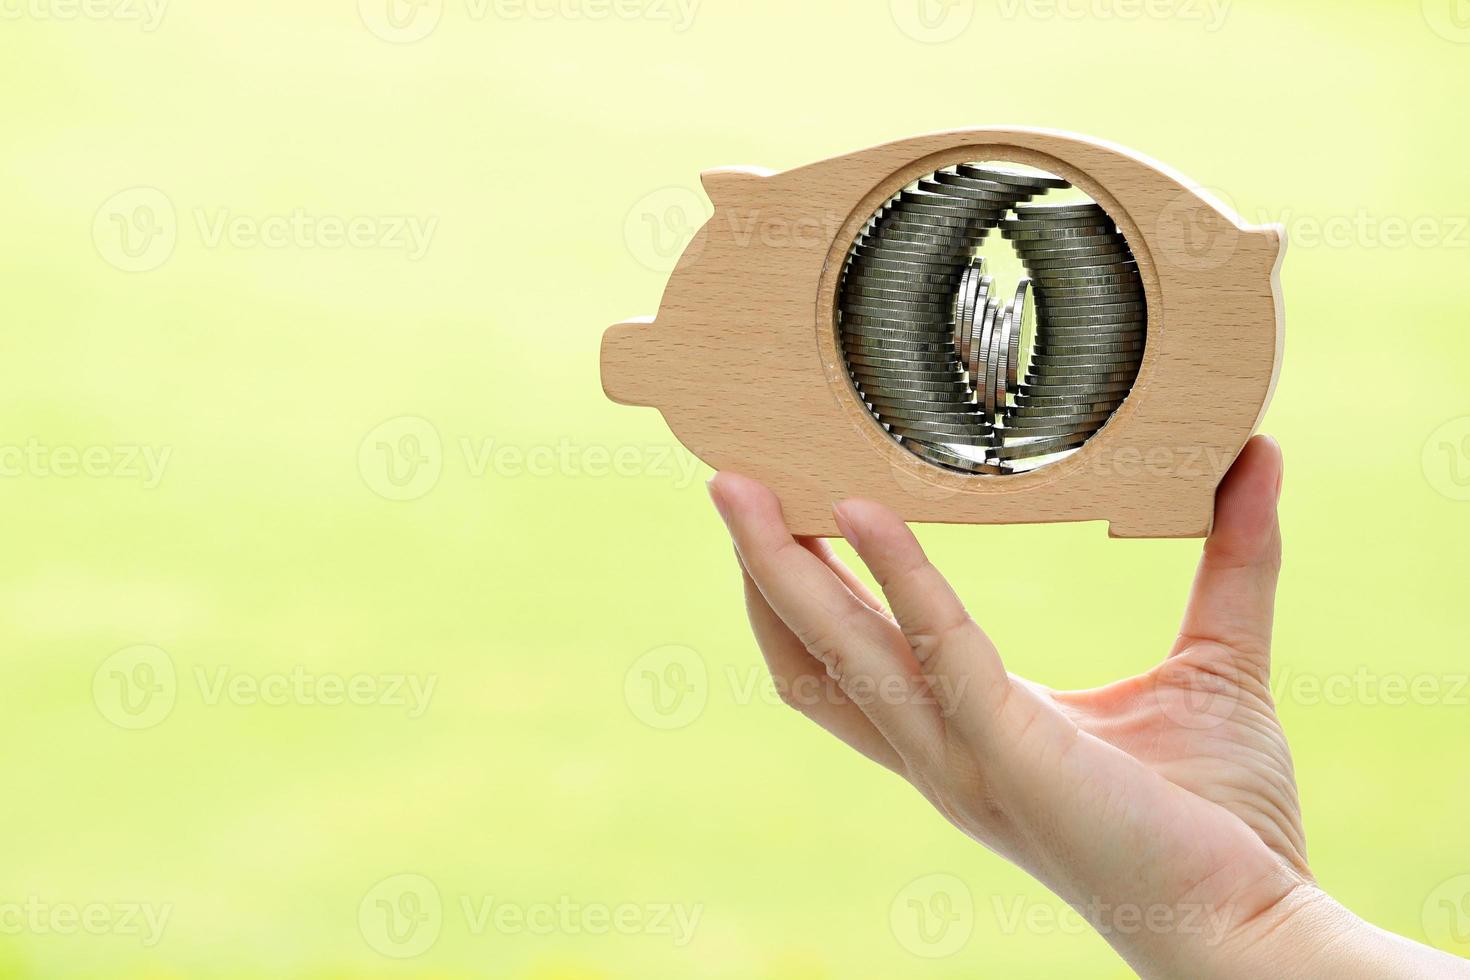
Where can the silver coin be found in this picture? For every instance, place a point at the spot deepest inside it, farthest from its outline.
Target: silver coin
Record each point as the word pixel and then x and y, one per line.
pixel 1012 178
pixel 1067 346
pixel 1071 209
pixel 912 251
pixel 1032 417
pixel 977 313
pixel 868 326
pixel 1054 272
pixel 1053 284
pixel 1095 320
pixel 877 365
pixel 906 265
pixel 1067 404
pixel 1046 328
pixel 979 435
pixel 1039 246
pixel 1032 424
pixel 1074 375
pixel 908 362
pixel 1094 305
pixel 893 291
pixel 943 456
pixel 898 348
pixel 963 301
pixel 1057 430
pixel 887 388
pixel 995 199
pixel 865 275
pixel 1132 358
pixel 917 218
pixel 1054 234
pixel 1010 195
pixel 1062 294
pixel 931 401
pixel 1106 250
pixel 1023 329
pixel 862 325
pixel 1048 225
pixel 1094 385
pixel 1041 447
pixel 981 350
pixel 924 239
pixel 909 304
pixel 958 416
pixel 961 414
pixel 970 431
pixel 889 331
pixel 861 306
pixel 994 362
pixel 1051 268
pixel 926 203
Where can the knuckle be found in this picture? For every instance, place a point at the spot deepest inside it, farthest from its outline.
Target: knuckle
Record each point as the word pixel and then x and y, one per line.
pixel 827 640
pixel 930 644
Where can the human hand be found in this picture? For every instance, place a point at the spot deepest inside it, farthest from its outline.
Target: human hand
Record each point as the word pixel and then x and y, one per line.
pixel 1169 795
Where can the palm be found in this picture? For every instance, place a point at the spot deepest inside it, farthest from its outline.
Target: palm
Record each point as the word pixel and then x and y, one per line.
pixel 1201 725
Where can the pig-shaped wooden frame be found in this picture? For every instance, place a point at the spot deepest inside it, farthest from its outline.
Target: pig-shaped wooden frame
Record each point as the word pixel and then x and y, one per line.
pixel 744 363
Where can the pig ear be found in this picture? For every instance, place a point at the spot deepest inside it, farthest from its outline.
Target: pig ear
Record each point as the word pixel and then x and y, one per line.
pixel 724 184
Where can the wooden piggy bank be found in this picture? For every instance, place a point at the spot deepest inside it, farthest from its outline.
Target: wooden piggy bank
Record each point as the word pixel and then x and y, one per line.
pixel 978 326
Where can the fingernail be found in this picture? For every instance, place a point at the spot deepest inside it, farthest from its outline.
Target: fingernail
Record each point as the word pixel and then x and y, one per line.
pixel 1281 473
pixel 843 524
pixel 718 499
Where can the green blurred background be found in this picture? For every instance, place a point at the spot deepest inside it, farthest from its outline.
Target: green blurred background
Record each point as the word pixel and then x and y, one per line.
pixel 336 598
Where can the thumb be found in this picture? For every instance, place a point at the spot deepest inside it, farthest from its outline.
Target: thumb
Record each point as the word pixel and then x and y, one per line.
pixel 1233 600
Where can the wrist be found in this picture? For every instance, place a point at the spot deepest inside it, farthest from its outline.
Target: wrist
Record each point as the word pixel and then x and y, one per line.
pixel 1310 935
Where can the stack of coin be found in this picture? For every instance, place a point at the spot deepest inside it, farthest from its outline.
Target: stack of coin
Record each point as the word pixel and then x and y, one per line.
pixel 1089 330
pixel 917 321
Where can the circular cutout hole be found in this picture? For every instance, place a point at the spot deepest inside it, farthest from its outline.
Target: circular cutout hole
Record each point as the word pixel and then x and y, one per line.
pixel 991 318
